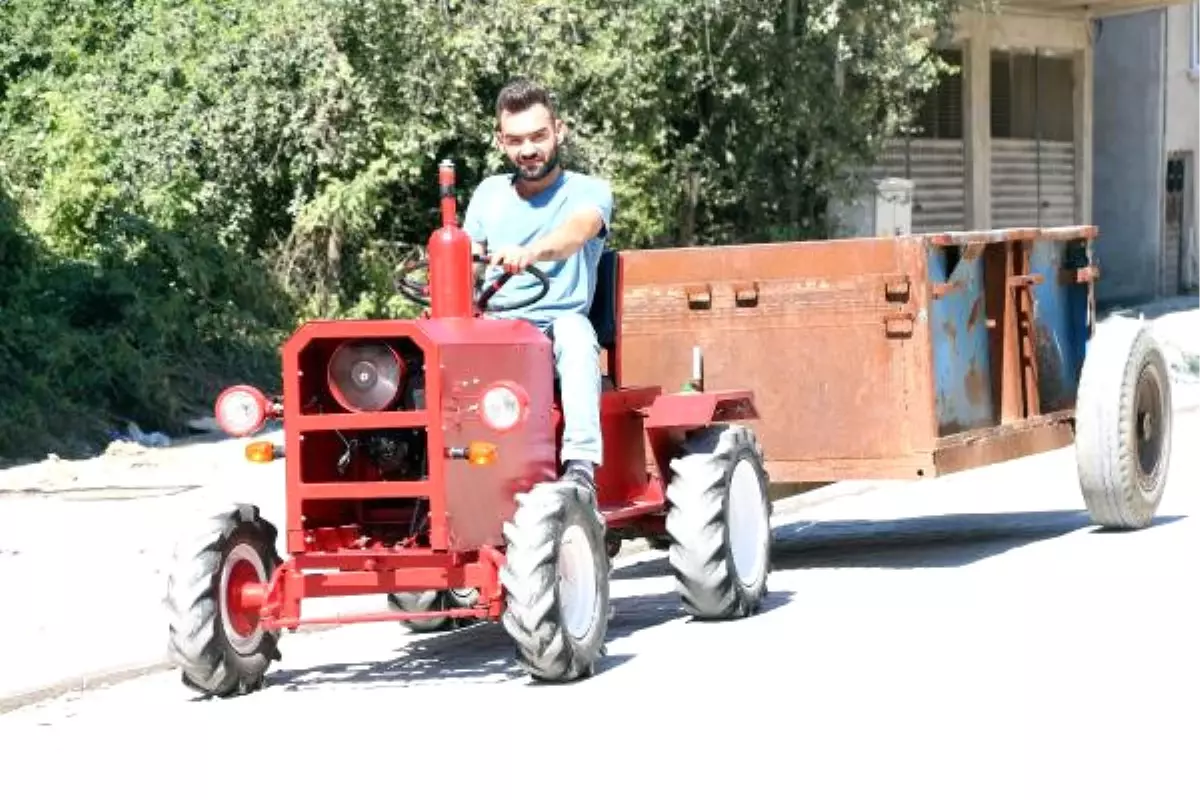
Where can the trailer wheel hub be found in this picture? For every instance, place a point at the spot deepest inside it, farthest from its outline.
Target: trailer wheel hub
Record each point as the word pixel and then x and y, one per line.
pixel 240 619
pixel 746 518
pixel 1147 432
pixel 577 594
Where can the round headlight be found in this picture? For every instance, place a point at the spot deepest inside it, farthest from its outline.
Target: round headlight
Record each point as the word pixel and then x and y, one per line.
pixel 503 406
pixel 241 410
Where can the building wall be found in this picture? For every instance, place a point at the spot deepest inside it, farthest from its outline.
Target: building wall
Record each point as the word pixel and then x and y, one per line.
pixel 1183 124
pixel 990 41
pixel 1129 159
pixel 970 163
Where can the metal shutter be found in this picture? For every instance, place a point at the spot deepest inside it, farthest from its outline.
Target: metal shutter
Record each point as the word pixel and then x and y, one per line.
pixel 1033 183
pixel 1014 183
pixel 936 168
pixel 932 155
pixel 1033 149
pixel 1056 194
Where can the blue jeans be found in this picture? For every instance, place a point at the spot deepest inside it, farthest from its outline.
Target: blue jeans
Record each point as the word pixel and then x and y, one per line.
pixel 577 365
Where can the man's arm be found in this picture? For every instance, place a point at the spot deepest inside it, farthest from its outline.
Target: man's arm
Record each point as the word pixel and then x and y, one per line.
pixel 565 240
pixel 591 219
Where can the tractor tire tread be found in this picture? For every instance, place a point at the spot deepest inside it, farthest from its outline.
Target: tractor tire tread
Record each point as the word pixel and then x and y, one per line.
pixel 195 644
pixel 529 580
pixel 439 599
pixel 699 553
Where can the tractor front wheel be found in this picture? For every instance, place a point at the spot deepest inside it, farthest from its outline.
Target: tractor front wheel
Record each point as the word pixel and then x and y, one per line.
pixel 719 522
pixel 434 600
pixel 555 580
pixel 215 640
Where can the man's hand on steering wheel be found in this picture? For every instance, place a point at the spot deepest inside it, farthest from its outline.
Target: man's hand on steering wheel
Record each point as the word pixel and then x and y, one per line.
pixel 513 258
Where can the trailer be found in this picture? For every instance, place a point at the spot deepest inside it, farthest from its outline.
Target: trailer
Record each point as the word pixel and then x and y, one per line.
pixel 910 357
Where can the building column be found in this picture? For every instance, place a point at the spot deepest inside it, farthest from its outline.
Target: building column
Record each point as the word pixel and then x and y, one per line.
pixel 977 124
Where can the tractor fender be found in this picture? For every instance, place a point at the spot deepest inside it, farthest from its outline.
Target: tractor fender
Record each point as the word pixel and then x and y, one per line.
pixel 690 410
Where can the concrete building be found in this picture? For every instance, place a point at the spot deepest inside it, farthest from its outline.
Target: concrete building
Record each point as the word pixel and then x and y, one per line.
pixel 1147 135
pixel 1036 129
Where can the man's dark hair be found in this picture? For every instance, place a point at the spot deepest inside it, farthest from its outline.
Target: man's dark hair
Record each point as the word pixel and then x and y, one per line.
pixel 522 94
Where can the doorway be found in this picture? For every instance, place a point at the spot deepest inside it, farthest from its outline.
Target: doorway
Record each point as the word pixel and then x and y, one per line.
pixel 1179 228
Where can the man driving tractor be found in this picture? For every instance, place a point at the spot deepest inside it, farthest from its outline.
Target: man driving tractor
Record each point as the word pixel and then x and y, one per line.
pixel 558 220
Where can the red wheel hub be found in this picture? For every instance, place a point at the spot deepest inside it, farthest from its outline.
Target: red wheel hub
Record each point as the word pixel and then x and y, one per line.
pixel 243 596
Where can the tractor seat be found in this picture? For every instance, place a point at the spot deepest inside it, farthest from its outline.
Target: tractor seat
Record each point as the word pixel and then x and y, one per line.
pixel 603 313
pixel 603 316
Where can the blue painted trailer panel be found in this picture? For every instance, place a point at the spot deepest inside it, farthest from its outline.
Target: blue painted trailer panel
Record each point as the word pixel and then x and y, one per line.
pixel 1060 315
pixel 961 359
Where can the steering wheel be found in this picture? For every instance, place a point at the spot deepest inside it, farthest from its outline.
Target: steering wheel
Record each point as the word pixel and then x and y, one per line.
pixel 419 292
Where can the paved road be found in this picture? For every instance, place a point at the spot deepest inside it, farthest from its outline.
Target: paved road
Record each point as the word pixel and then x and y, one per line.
pixel 971 637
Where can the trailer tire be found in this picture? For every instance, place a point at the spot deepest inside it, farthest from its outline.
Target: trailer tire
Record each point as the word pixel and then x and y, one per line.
pixel 434 599
pixel 1123 425
pixel 719 523
pixel 558 629
pixel 220 649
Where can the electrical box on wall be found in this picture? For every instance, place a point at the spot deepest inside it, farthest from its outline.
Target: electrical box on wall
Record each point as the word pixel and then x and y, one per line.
pixel 884 208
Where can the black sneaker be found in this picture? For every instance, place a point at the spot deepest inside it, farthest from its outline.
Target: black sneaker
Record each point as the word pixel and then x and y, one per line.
pixel 582 475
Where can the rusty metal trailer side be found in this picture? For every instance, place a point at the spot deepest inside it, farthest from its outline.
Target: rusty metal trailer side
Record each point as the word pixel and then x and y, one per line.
pixel 903 357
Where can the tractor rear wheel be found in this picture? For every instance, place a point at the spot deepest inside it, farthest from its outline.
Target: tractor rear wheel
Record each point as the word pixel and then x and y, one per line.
pixel 719 522
pixel 218 643
pixel 555 580
pixel 1123 425
pixel 434 600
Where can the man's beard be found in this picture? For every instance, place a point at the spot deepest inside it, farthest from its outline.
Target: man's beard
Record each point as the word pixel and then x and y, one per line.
pixel 533 174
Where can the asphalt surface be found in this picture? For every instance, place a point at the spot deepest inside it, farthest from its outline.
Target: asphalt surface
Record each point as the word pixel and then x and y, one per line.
pixel 970 637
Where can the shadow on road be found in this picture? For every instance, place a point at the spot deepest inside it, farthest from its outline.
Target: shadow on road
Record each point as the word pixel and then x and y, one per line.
pixel 483 653
pixel 949 540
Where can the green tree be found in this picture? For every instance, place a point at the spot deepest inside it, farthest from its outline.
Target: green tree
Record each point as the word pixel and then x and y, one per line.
pixel 190 178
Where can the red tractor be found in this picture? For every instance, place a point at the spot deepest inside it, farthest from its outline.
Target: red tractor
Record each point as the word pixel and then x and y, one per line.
pixel 422 463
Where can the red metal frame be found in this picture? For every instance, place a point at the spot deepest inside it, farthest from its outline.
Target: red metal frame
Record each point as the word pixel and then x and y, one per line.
pixel 332 527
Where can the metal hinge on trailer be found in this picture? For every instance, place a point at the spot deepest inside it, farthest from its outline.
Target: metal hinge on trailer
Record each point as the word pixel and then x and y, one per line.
pixel 700 296
pixel 897 288
pixel 899 325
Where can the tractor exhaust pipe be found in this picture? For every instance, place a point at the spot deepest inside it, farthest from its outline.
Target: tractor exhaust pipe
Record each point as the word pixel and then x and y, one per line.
pixel 451 268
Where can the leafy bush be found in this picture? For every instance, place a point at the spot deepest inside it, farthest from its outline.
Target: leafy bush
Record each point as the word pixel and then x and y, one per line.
pixel 185 180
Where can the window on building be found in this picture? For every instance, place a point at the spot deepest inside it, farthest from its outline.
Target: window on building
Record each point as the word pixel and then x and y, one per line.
pixel 1033 97
pixel 940 112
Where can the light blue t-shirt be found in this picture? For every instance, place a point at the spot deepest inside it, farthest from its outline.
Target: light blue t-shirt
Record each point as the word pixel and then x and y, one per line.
pixel 497 216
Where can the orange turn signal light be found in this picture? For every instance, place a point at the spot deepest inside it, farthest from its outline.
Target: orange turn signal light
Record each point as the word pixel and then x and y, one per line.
pixel 480 454
pixel 260 452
